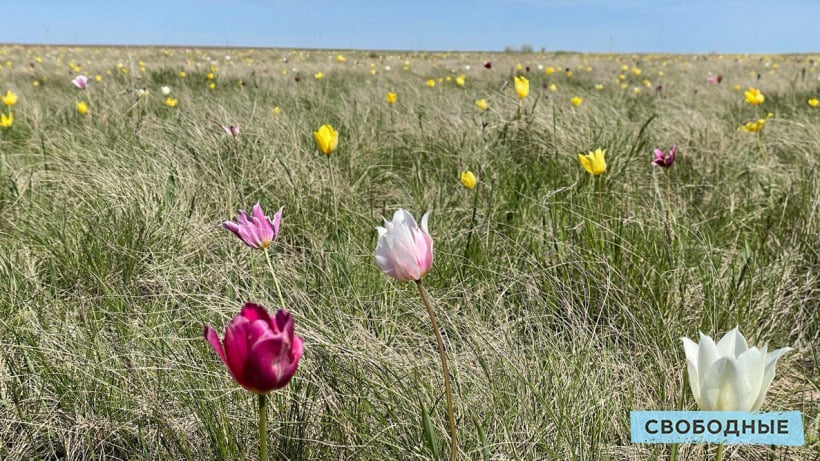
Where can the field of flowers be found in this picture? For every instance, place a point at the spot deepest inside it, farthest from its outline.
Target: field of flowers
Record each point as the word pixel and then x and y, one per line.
pixel 551 226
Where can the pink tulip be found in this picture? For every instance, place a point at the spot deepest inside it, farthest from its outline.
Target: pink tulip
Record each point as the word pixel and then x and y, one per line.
pixel 80 81
pixel 231 130
pixel 663 159
pixel 256 230
pixel 488 65
pixel 404 251
pixel 261 352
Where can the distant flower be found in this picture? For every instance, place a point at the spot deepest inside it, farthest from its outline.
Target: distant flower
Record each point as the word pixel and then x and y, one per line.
pixel 10 98
pixel 231 130
pixel 431 83
pixel 549 70
pixel 171 102
pixel 212 86
pixel 522 87
pixel 276 110
pixel 210 76
pixel 813 102
pixel 260 352
pixel 599 87
pixel 165 90
pixel 82 108
pixel 569 73
pixel 404 251
pixel 143 93
pixel 80 81
pixel 326 139
pixel 553 87
pixel 636 71
pixel 594 162
pixel 729 375
pixel 468 179
pixel 481 104
pixel 663 159
pixel 754 96
pixel 391 98
pixel 255 230
pixel 98 78
pixel 488 65
pixel 6 121
pixel 460 80
pixel 736 87
pixel 576 101
pixel 340 58
pixel 182 74
pixel 318 75
pixel 756 125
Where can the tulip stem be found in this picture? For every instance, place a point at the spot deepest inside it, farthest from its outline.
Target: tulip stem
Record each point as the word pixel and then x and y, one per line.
pixel 760 145
pixel 263 433
pixel 444 369
pixel 719 456
pixel 472 226
pixel 275 280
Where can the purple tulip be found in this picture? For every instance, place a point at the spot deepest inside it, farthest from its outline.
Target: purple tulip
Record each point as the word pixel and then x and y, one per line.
pixel 261 352
pixel 257 230
pixel 663 159
pixel 232 130
pixel 80 81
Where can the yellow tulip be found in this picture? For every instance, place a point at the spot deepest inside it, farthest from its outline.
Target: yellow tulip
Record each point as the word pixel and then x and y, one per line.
pixel 182 74
pixel 481 104
pixel 549 70
pixel 468 179
pixel 599 87
pixel 553 87
pixel 522 87
pixel 98 78
pixel 754 96
pixel 576 101
pixel 82 108
pixel 636 71
pixel 391 98
pixel 569 73
pixel 276 110
pixel 813 102
pixel 6 122
pixel 460 80
pixel 431 83
pixel 212 86
pixel 518 66
pixel 318 75
pixel 10 98
pixel 326 139
pixel 594 162
pixel 736 87
pixel 757 125
pixel 340 58
pixel 171 102
pixel 210 75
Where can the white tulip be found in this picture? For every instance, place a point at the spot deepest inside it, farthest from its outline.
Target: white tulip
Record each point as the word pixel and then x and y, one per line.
pixel 729 376
pixel 166 90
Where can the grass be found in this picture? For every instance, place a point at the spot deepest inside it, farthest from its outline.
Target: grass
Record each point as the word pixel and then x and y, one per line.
pixel 563 314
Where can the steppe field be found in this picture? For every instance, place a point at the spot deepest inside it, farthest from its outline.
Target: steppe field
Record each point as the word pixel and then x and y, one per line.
pixel 561 296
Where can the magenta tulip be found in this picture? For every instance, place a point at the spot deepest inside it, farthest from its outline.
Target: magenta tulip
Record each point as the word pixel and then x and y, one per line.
pixel 663 159
pixel 256 230
pixel 404 251
pixel 261 352
pixel 80 81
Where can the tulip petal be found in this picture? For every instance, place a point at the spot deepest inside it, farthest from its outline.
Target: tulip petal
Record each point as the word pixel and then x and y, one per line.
pixel 691 351
pixel 277 221
pixel 707 355
pixel 213 339
pixel 720 386
pixel 732 344
pixel 768 375
pixel 750 370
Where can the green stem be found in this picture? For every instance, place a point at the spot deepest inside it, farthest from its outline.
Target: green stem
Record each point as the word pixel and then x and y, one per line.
pixel 472 225
pixel 760 145
pixel 719 456
pixel 444 370
pixel 263 433
pixel 275 280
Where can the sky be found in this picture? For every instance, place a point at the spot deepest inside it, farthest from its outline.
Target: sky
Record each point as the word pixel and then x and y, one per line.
pixel 694 26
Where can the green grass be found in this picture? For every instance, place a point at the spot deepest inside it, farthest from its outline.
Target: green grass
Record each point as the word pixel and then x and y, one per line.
pixel 564 313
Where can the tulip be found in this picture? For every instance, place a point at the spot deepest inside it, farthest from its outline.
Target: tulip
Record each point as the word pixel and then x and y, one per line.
pixel 391 98
pixel 576 101
pixel 549 70
pixel 481 104
pixel 261 352
pixel 10 98
pixel 340 58
pixel 257 230
pixel 663 159
pixel 171 102
pixel 326 139
pixel 488 65
pixel 599 87
pixel 431 83
pixel 232 130
pixel 165 90
pixel 81 82
pixel 318 75
pixel 756 125
pixel 82 108
pixel 813 102
pixel 594 162
pixel 522 87
pixel 729 376
pixel 404 251
pixel 468 179
pixel 553 87
pixel 754 96
pixel 6 122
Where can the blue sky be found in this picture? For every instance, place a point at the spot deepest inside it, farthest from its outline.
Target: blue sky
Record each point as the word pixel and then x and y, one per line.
pixel 697 26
